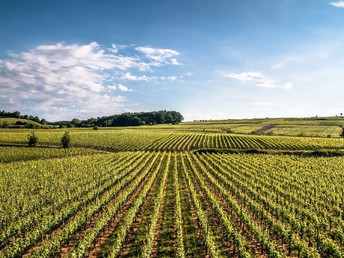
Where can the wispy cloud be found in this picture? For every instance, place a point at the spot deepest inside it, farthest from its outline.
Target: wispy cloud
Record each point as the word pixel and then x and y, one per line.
pixel 159 55
pixel 119 87
pixel 130 77
pixel 259 79
pixel 123 88
pixel 339 4
pixel 69 76
pixel 115 48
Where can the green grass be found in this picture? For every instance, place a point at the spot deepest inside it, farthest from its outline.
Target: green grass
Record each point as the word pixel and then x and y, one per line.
pixel 14 122
pixel 12 154
pixel 306 130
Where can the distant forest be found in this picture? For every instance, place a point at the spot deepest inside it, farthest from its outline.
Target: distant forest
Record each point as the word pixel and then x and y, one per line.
pixel 126 119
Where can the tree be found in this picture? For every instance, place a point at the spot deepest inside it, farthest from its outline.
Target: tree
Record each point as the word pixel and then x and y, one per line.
pixel 16 114
pixel 33 139
pixel 36 119
pixel 342 134
pixel 65 140
pixel 135 121
pixel 76 122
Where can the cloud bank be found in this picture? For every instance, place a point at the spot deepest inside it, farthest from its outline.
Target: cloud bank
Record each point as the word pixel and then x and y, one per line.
pixel 60 79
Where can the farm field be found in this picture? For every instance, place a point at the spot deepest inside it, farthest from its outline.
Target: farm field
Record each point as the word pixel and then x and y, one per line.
pixel 315 127
pixel 10 154
pixel 173 204
pixel 168 192
pixel 171 140
pixel 171 129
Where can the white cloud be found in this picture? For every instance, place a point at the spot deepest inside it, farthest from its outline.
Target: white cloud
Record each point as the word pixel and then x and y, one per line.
pixel 123 88
pixel 112 87
pixel 159 55
pixel 115 48
pixel 174 61
pixel 172 78
pixel 131 77
pixel 258 78
pixel 119 87
pixel 338 4
pixel 247 76
pixel 59 76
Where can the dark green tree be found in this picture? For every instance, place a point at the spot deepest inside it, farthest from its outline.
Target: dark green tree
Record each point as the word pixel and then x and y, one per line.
pixel 65 140
pixel 342 134
pixel 76 122
pixel 36 119
pixel 17 114
pixel 33 139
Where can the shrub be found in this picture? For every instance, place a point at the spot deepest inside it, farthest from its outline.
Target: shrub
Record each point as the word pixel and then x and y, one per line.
pixel 33 139
pixel 65 140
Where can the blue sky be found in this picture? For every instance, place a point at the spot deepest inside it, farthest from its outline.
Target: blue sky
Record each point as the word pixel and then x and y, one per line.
pixel 208 59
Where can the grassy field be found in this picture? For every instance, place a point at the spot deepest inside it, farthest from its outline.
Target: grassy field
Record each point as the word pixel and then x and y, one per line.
pixel 189 190
pixel 20 123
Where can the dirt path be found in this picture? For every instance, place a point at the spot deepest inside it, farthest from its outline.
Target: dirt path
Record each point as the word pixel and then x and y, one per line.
pixel 264 129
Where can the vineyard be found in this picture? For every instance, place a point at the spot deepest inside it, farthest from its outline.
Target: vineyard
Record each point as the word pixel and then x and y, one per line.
pixel 167 204
pixel 170 193
pixel 169 140
pixel 10 154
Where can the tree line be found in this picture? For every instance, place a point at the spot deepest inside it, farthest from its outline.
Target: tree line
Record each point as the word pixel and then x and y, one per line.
pixel 17 114
pixel 126 119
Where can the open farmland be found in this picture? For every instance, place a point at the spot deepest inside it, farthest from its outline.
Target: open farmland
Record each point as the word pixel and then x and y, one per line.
pixel 168 140
pixel 167 192
pixel 162 129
